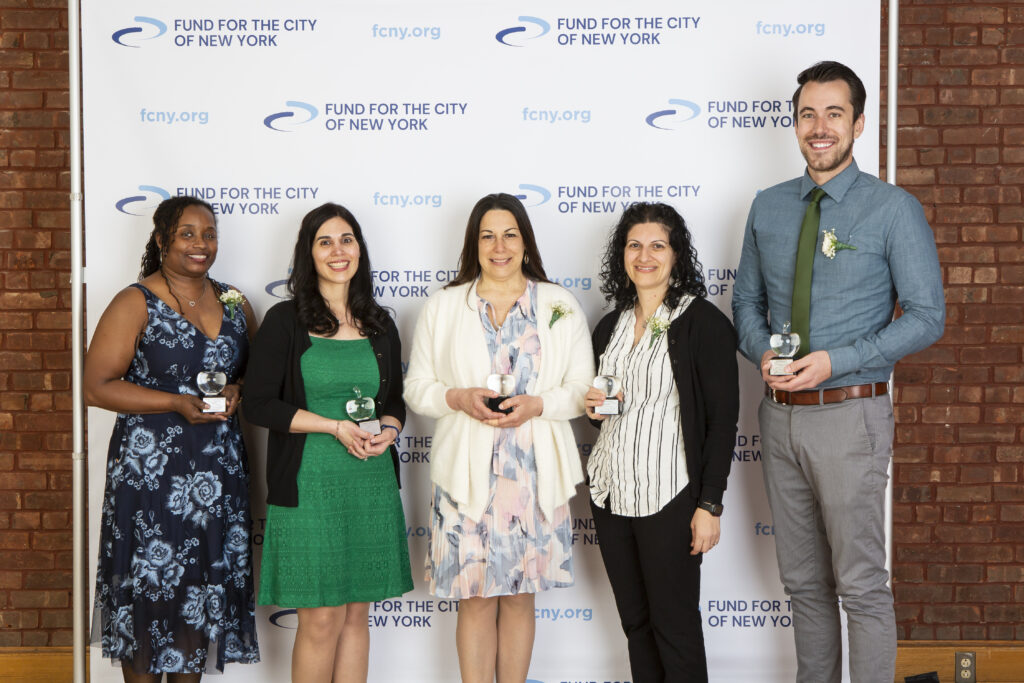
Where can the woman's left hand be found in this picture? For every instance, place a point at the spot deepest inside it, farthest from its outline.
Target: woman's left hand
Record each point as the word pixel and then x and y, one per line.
pixel 705 530
pixel 379 443
pixel 524 407
pixel 233 394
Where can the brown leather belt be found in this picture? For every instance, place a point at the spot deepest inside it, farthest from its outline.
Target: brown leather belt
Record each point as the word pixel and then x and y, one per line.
pixel 820 397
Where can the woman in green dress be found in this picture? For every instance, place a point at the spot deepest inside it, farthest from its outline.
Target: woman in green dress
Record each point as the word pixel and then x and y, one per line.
pixel 335 535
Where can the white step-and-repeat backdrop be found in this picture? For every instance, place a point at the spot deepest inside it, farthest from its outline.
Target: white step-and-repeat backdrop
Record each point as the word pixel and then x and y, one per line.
pixel 407 112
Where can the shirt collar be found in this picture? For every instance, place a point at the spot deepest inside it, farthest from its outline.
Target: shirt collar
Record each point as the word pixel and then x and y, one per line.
pixel 835 188
pixel 524 304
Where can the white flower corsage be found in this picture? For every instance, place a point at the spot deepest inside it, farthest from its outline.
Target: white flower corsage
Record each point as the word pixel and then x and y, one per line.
pixel 231 298
pixel 558 310
pixel 657 326
pixel 830 244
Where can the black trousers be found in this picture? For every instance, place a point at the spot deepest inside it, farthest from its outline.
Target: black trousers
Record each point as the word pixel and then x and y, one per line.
pixel 656 583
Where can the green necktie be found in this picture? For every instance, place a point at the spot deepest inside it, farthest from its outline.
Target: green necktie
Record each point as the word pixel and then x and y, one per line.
pixel 801 314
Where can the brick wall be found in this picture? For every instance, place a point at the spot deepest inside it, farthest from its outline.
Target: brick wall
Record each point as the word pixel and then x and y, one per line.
pixel 35 401
pixel 959 533
pixel 959 486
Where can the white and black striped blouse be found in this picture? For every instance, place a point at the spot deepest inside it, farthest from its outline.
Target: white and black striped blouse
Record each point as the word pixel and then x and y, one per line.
pixel 638 464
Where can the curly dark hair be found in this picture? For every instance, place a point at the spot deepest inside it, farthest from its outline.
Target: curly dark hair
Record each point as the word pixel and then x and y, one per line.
pixel 469 260
pixel 165 220
pixel 687 273
pixel 313 312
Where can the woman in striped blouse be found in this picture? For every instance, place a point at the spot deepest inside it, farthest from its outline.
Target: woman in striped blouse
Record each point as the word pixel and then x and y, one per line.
pixel 659 468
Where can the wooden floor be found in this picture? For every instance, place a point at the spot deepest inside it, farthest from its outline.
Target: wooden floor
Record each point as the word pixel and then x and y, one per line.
pixel 997 662
pixel 36 665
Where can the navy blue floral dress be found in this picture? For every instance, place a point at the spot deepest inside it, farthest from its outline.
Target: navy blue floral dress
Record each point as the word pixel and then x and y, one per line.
pixel 174 581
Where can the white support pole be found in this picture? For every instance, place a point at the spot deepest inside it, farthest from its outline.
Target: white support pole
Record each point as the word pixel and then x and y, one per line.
pixel 80 593
pixel 892 74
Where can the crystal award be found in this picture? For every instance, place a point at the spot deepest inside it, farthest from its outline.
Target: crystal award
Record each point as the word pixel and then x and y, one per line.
pixel 503 385
pixel 361 410
pixel 211 382
pixel 785 346
pixel 609 385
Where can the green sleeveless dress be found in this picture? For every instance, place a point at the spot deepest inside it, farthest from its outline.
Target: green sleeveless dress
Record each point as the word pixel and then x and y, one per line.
pixel 346 540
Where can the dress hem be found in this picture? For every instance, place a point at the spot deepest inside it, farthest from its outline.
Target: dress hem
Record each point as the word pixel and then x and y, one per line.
pixel 376 597
pixel 96 640
pixel 502 594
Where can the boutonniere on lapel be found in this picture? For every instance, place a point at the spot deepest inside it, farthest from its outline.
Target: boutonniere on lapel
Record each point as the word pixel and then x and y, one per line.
pixel 830 244
pixel 558 310
pixel 231 299
pixel 657 326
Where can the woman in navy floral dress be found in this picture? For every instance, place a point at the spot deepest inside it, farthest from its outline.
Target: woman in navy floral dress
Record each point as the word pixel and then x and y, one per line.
pixel 174 588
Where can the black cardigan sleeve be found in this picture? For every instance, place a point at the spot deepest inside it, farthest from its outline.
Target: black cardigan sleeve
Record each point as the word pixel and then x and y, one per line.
pixel 269 361
pixel 389 358
pixel 387 348
pixel 713 343
pixel 273 393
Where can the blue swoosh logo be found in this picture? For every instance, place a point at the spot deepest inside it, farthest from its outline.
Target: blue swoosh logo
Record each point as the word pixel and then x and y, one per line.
pixel 273 118
pixel 124 32
pixel 161 28
pixel 500 35
pixel 276 616
pixel 127 201
pixel 269 289
pixel 542 191
pixel 692 108
pixel 513 30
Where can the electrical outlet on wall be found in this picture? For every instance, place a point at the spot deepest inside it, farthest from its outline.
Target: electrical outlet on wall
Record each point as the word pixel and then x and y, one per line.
pixel 964 669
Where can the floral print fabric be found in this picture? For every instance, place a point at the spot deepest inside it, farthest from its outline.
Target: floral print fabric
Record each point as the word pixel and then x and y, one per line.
pixel 512 549
pixel 174 589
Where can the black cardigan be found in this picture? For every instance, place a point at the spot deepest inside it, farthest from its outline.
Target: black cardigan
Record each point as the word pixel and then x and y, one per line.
pixel 274 392
pixel 702 348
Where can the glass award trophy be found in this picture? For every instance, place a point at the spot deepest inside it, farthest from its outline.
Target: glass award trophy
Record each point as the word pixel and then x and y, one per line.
pixel 361 409
pixel 609 385
pixel 211 382
pixel 785 346
pixel 503 385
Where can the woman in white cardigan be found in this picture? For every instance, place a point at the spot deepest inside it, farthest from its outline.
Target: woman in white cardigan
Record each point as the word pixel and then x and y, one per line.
pixel 502 478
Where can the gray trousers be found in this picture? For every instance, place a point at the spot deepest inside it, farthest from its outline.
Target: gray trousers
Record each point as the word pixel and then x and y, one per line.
pixel 825 474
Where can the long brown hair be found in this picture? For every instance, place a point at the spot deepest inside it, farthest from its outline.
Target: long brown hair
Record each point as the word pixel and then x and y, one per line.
pixel 312 310
pixel 469 260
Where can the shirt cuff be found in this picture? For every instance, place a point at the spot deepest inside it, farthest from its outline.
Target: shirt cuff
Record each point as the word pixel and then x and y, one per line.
pixel 845 360
pixel 711 494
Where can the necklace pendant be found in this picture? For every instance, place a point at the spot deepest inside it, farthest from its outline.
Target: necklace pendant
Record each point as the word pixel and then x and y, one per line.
pixel 192 304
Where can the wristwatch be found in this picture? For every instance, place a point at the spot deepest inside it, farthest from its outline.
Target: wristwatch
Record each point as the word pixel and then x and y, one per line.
pixel 714 508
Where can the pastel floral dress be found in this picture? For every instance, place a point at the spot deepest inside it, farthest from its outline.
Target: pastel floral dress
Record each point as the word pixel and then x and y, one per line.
pixel 512 548
pixel 174 588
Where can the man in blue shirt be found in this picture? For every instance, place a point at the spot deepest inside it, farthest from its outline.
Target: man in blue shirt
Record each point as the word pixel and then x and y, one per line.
pixel 827 427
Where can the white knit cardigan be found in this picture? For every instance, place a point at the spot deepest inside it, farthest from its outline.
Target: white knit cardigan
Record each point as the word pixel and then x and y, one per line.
pixel 449 350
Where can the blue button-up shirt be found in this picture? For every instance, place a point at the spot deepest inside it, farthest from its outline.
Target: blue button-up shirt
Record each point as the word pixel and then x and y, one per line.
pixel 852 295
